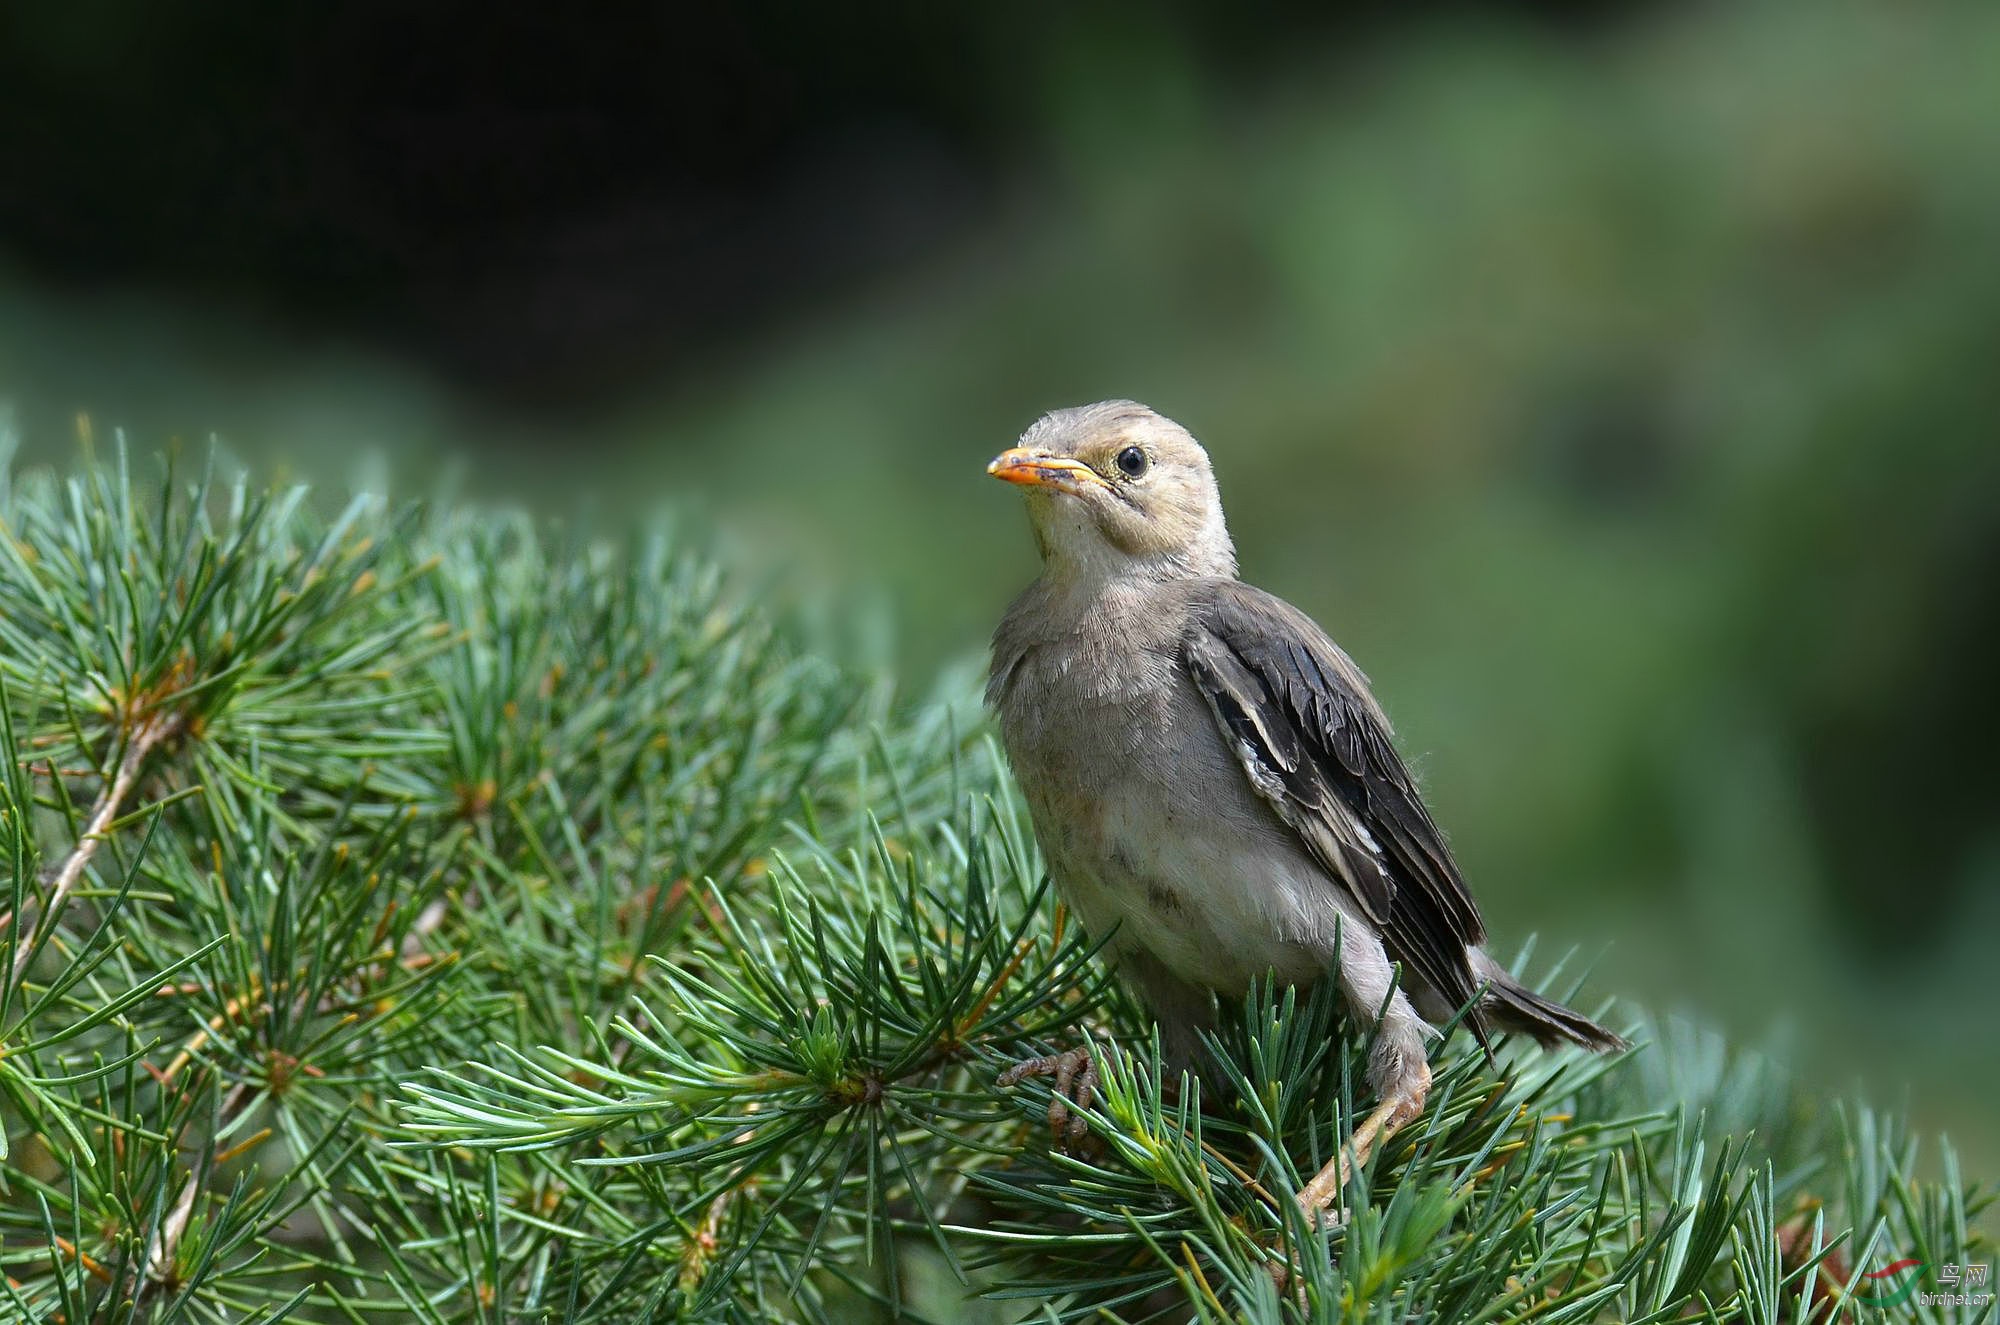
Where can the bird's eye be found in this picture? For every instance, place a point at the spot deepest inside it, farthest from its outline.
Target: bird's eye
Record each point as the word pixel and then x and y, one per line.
pixel 1131 462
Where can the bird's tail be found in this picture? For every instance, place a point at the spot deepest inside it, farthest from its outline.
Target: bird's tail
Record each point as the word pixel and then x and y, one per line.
pixel 1512 1006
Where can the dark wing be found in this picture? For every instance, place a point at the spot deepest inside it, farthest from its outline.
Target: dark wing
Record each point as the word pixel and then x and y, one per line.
pixel 1316 746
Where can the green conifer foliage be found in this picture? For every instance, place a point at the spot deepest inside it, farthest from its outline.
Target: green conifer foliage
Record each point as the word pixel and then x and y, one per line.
pixel 424 914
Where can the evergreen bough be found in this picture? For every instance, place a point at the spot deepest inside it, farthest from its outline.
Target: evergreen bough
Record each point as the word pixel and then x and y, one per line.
pixel 427 914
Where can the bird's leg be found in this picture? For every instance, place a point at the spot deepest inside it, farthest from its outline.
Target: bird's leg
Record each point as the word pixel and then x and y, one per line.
pixel 1400 1075
pixel 1075 1074
pixel 1391 1114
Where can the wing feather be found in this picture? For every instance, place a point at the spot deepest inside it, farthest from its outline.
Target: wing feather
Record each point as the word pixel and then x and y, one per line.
pixel 1317 747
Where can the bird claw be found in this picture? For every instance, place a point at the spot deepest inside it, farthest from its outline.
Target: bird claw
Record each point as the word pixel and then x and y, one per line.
pixel 1075 1088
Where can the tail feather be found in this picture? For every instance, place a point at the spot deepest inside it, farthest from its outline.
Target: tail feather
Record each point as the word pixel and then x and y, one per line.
pixel 1512 1006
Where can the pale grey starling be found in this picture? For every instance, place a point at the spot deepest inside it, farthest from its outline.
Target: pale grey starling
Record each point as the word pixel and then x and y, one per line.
pixel 1212 782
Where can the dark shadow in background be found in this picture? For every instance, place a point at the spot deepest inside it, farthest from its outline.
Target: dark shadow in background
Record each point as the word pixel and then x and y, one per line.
pixel 545 206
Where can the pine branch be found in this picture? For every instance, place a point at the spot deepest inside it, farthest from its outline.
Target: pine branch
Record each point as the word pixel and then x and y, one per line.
pixel 531 930
pixel 149 731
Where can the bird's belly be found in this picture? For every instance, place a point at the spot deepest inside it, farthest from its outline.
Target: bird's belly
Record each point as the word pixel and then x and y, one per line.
pixel 1206 889
pixel 1156 839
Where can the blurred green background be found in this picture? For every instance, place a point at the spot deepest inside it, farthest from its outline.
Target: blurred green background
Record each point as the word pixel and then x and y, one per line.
pixel 1619 383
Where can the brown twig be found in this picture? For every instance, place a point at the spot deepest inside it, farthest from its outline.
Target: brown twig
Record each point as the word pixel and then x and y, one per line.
pixel 426 924
pixel 150 731
pixel 160 1260
pixel 158 1271
pixel 706 1239
pixel 230 1011
pixel 83 1258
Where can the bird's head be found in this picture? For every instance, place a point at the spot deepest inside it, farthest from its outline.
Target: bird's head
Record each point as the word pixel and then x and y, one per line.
pixel 1115 488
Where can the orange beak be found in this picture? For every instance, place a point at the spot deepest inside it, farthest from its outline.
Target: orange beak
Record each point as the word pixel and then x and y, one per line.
pixel 1041 469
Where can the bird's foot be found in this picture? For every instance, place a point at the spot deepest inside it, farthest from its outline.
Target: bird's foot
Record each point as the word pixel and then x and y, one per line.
pixel 1401 1103
pixel 1075 1087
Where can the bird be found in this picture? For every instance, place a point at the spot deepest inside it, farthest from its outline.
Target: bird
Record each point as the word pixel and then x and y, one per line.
pixel 1217 793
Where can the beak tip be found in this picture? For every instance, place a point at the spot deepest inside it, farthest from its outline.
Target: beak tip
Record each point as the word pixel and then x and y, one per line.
pixel 1032 468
